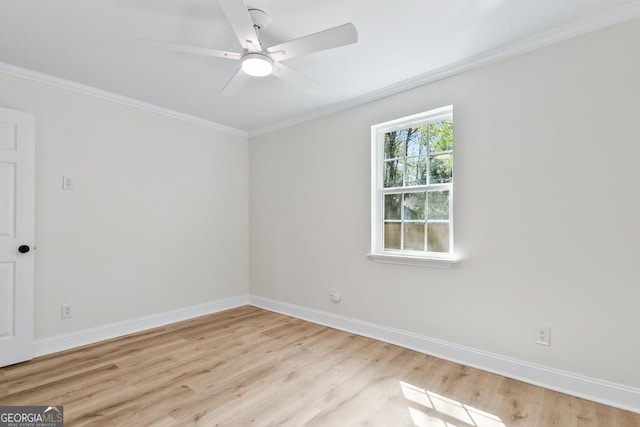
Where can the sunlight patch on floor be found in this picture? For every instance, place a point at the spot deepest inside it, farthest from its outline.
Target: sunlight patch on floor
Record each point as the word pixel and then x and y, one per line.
pixel 437 410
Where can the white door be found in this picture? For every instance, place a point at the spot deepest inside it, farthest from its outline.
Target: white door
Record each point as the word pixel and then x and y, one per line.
pixel 17 177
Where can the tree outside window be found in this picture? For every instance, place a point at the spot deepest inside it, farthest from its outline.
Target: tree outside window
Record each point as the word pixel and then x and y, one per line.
pixel 412 161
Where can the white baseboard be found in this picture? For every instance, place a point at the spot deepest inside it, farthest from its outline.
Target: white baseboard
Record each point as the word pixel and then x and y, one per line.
pixel 608 393
pixel 118 329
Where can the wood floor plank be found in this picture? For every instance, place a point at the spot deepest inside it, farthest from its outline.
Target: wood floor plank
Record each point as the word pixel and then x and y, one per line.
pixel 519 403
pixel 252 367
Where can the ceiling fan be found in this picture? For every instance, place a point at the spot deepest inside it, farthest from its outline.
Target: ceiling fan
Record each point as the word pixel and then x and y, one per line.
pixel 257 60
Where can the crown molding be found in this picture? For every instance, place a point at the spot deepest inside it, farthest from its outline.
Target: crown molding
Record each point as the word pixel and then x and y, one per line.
pixel 575 29
pixel 109 96
pixel 584 26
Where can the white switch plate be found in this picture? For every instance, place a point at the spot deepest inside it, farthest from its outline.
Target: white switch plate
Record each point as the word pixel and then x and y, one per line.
pixel 67 311
pixel 67 183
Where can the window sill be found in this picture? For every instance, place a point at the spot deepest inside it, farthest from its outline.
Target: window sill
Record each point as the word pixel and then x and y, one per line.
pixel 432 262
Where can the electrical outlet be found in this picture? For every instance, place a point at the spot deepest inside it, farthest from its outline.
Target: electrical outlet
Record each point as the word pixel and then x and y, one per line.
pixel 543 335
pixel 67 311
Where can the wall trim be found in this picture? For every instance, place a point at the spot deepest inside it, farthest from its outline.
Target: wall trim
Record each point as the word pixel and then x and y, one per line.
pixel 608 393
pixel 605 392
pixel 575 29
pixel 47 79
pixel 83 337
pixel 584 26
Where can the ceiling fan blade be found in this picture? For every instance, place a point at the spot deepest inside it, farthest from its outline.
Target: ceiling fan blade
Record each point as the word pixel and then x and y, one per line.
pixel 238 16
pixel 235 84
pixel 196 50
pixel 296 78
pixel 328 39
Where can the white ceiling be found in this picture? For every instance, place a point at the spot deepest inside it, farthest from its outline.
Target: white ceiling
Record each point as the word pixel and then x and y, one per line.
pixel 402 43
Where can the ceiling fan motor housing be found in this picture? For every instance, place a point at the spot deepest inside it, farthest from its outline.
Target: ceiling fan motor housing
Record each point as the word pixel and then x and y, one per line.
pixel 259 18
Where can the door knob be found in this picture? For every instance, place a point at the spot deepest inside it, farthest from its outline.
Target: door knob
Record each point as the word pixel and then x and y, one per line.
pixel 23 249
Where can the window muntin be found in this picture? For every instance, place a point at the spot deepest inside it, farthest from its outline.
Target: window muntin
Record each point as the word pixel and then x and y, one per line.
pixel 412 185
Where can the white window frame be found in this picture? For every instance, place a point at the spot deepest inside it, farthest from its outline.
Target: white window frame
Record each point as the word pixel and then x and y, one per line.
pixel 378 253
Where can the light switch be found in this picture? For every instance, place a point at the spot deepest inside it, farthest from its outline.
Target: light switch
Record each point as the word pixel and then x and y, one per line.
pixel 67 183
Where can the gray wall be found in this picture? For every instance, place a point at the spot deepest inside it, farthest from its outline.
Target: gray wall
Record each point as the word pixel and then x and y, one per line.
pixel 546 211
pixel 158 220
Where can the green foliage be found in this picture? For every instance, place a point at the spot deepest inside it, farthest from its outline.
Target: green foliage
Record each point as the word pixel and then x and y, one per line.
pixel 407 151
pixel 441 140
pixel 416 156
pixel 441 169
pixel 441 136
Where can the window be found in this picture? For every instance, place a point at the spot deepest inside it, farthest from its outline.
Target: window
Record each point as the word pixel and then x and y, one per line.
pixel 412 188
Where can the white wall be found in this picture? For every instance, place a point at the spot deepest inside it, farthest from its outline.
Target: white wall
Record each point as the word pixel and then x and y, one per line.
pixel 546 204
pixel 158 220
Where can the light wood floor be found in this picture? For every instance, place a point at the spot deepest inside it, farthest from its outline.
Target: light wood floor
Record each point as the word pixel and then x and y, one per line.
pixel 251 367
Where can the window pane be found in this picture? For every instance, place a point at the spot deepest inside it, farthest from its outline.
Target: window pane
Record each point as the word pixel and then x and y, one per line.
pixel 438 205
pixel 393 170
pixel 413 179
pixel 417 142
pixel 440 169
pixel 438 237
pixel 393 145
pixel 392 206
pixel 441 136
pixel 416 171
pixel 392 235
pixel 414 237
pixel 414 206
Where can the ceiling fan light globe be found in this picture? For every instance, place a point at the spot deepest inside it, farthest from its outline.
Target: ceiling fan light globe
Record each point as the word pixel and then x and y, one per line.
pixel 257 65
